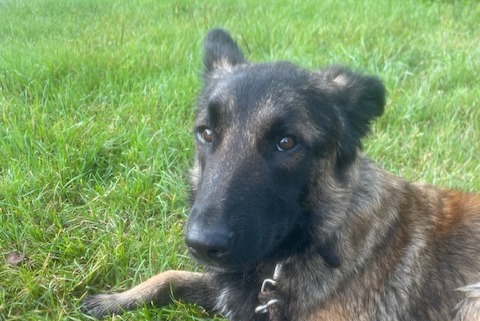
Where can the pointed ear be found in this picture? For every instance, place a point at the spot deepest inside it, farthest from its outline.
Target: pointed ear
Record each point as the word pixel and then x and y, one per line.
pixel 221 51
pixel 360 100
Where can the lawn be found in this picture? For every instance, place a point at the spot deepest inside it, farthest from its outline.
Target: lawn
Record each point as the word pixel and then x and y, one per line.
pixel 97 104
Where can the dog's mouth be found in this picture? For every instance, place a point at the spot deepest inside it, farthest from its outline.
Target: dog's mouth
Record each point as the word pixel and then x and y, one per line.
pixel 216 261
pixel 214 265
pixel 202 259
pixel 236 252
pixel 231 260
pixel 234 260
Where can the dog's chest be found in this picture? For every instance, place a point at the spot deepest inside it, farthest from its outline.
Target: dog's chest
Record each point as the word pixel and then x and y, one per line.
pixel 239 305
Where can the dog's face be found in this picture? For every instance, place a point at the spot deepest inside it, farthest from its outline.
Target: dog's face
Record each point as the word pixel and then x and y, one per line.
pixel 262 130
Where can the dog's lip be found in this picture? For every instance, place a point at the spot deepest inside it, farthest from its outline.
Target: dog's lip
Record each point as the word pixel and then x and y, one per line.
pixel 200 257
pixel 216 266
pixel 199 260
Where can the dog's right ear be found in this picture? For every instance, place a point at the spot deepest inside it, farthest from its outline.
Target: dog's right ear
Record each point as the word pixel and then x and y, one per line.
pixel 221 51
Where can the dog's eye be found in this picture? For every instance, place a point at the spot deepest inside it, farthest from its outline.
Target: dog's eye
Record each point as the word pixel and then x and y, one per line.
pixel 206 135
pixel 286 143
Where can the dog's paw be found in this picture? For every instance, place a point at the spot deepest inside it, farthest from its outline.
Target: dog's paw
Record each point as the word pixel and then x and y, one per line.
pixel 101 305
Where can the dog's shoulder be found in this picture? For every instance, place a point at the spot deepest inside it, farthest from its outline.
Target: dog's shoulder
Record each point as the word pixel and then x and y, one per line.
pixel 460 212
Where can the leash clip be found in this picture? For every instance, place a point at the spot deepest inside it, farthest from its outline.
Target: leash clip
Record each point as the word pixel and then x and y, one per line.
pixel 268 286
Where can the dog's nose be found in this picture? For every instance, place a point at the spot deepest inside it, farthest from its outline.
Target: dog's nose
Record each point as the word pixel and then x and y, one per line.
pixel 208 245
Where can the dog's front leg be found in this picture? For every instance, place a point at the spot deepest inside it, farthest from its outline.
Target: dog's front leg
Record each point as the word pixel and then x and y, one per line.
pixel 159 290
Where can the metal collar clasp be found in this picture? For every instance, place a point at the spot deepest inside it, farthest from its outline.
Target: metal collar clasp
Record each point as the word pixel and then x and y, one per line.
pixel 268 286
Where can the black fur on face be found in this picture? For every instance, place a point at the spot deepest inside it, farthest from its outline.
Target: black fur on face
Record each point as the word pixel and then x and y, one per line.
pixel 261 130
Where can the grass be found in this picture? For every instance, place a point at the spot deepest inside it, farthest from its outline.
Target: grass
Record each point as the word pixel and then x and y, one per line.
pixel 96 106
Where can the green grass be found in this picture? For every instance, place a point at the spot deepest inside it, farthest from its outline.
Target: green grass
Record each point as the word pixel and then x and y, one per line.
pixel 96 106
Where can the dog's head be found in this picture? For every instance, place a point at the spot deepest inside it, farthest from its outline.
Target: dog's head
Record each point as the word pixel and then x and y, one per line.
pixel 261 131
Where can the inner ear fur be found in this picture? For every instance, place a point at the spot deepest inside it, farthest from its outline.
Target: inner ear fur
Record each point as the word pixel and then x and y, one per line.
pixel 360 99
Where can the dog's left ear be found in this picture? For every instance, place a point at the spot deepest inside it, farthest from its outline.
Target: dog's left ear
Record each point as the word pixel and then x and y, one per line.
pixel 360 100
pixel 221 51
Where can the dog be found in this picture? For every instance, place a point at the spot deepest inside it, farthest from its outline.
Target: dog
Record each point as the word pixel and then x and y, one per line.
pixel 293 222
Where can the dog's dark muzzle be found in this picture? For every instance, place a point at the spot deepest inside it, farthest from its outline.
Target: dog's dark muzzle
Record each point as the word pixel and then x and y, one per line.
pixel 224 227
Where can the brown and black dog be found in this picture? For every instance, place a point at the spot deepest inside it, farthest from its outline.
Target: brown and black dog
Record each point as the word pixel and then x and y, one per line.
pixel 279 183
